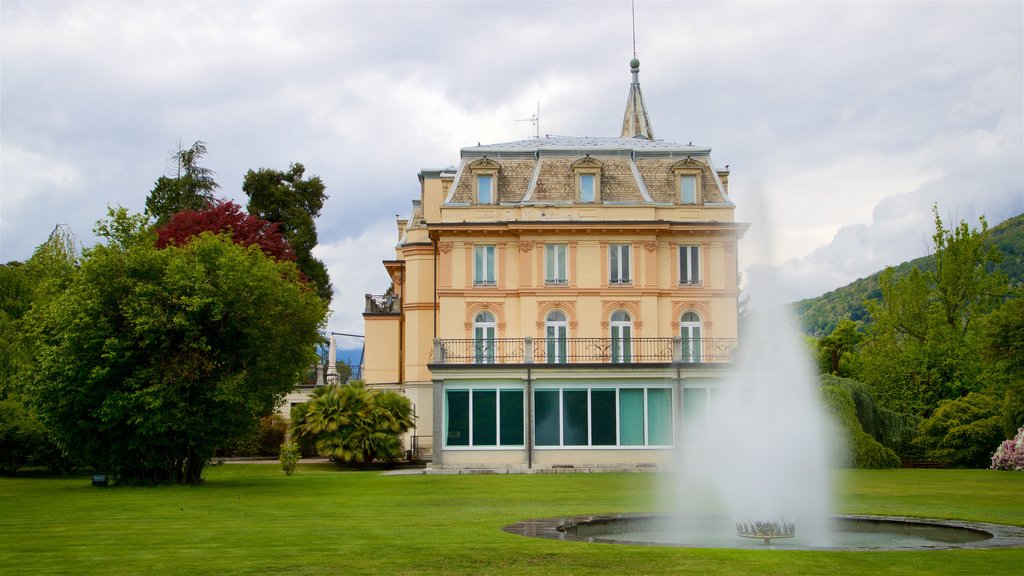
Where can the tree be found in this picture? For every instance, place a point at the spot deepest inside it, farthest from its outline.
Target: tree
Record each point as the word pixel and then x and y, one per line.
pixel 962 432
pixel 153 358
pixel 227 218
pixel 294 202
pixel 922 347
pixel 836 350
pixel 350 423
pixel 24 440
pixel 1002 348
pixel 190 187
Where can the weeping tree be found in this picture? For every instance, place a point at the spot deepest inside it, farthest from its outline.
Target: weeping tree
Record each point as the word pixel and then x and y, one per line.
pixel 152 358
pixel 352 424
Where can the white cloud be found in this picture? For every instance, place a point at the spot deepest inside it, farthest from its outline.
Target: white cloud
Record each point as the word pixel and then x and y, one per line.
pixel 849 119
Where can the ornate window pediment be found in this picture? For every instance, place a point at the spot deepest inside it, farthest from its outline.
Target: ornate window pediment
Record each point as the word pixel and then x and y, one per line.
pixel 688 175
pixel 485 180
pixel 587 176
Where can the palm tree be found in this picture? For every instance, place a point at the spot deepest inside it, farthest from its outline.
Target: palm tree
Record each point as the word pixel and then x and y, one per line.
pixel 350 423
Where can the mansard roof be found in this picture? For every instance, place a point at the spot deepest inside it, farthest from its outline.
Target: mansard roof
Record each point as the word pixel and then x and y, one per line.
pixel 582 145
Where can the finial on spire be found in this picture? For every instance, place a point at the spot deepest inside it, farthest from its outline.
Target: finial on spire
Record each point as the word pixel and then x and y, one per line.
pixel 636 123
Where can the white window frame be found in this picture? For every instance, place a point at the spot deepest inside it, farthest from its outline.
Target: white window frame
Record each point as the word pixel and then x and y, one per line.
pixel 691 331
pixel 621 330
pixel 580 179
pixel 498 389
pixel 555 261
pixel 485 265
pixel 493 185
pixel 690 273
pixel 619 275
pixel 485 330
pixel 646 413
pixel 556 330
pixel 695 182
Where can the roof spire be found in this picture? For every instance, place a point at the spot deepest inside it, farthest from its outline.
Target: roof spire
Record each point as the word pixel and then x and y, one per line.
pixel 636 123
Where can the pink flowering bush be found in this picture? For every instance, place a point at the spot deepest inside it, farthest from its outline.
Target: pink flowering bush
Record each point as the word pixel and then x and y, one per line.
pixel 1010 454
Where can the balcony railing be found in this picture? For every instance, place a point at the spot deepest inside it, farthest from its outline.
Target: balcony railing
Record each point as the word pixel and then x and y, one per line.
pixel 383 304
pixel 583 351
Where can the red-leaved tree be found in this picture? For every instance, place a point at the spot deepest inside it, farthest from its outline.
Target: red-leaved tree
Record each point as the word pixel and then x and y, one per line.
pixel 225 217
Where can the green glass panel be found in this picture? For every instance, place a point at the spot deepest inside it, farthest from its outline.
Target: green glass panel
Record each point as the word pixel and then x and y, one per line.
pixel 631 417
pixel 511 409
pixel 602 419
pixel 546 421
pixel 574 418
pixel 457 410
pixel 485 412
pixel 659 417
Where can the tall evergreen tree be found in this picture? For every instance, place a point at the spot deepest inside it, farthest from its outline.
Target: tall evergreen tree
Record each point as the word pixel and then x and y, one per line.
pixel 295 202
pixel 190 186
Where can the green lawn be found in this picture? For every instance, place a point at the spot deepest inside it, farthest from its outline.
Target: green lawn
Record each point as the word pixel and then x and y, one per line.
pixel 252 519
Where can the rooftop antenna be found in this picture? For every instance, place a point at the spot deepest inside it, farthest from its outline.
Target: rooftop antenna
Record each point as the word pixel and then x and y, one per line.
pixel 632 10
pixel 535 120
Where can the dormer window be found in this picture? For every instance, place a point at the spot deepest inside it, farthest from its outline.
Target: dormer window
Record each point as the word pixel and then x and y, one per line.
pixel 484 189
pixel 587 173
pixel 588 188
pixel 688 189
pixel 485 180
pixel 688 180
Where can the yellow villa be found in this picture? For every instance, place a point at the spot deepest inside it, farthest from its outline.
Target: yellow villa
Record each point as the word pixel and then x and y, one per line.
pixel 560 302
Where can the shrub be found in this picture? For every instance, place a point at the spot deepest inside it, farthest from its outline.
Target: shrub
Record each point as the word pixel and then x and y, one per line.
pixel 289 457
pixel 863 451
pixel 961 432
pixel 892 429
pixel 354 425
pixel 1010 454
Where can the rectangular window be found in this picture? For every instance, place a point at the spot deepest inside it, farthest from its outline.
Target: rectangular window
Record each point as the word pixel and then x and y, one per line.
pixel 622 343
pixel 689 266
pixel 688 189
pixel 546 420
pixel 484 417
pixel 659 417
pixel 485 189
pixel 572 417
pixel 483 344
pixel 575 417
pixel 556 345
pixel 587 188
pixel 602 417
pixel 554 264
pixel 695 415
pixel 511 416
pixel 618 269
pixel 485 423
pixel 631 417
pixel 483 265
pixel 457 411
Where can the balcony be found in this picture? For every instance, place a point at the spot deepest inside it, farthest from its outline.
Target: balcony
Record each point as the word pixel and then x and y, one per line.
pixel 583 351
pixel 383 304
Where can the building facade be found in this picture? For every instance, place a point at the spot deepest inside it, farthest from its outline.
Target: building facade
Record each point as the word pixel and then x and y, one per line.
pixel 561 302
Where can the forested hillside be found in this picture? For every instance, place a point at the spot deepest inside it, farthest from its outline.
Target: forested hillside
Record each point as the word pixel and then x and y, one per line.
pixel 819 316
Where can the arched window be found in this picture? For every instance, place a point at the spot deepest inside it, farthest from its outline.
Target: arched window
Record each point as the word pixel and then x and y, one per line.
pixel 690 326
pixel 556 333
pixel 483 338
pixel 622 336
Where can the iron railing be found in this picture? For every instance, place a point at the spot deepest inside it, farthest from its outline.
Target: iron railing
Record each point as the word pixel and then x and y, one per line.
pixel 383 304
pixel 487 351
pixel 583 350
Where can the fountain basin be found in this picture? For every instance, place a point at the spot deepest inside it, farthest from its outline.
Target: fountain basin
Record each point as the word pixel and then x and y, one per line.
pixel 847 533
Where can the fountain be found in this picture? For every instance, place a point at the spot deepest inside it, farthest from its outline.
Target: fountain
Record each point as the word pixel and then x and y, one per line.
pixel 761 450
pixel 753 464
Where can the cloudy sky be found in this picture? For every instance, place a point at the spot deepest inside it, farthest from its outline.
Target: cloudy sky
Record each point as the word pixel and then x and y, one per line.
pixel 843 123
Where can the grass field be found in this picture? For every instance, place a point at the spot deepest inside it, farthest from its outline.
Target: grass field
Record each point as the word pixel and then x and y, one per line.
pixel 252 519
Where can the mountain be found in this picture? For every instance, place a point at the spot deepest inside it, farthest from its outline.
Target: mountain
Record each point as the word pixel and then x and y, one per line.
pixel 819 316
